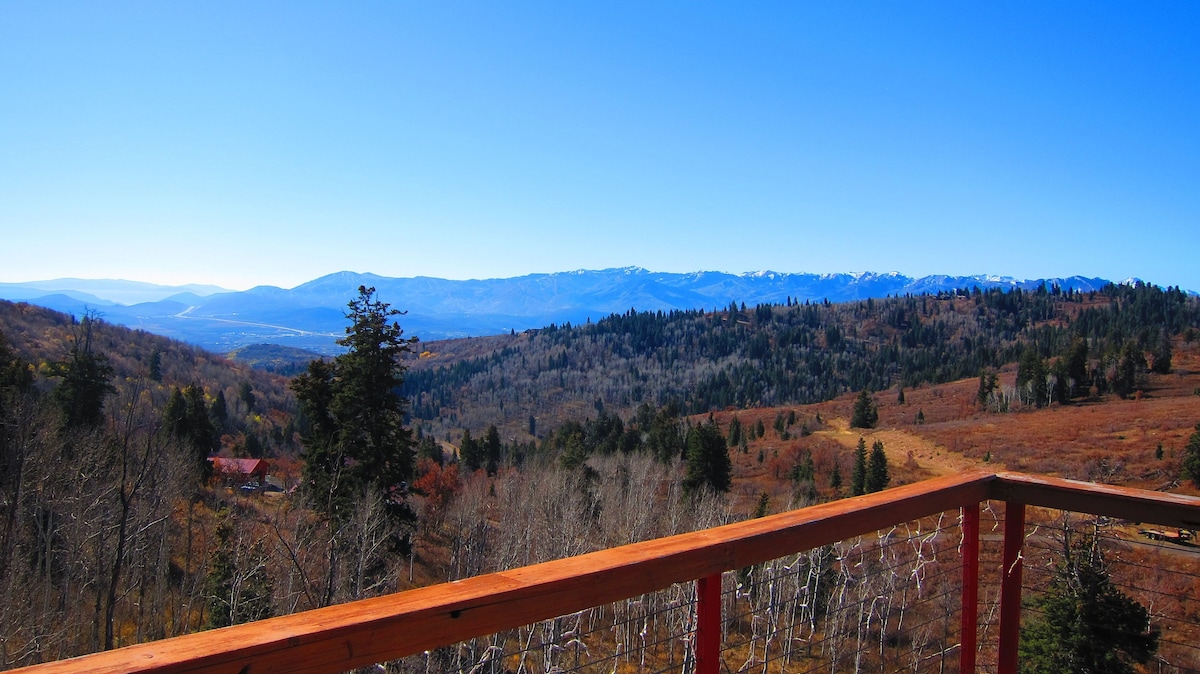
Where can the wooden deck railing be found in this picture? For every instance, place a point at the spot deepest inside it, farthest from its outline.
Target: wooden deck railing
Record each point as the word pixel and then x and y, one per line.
pixel 360 633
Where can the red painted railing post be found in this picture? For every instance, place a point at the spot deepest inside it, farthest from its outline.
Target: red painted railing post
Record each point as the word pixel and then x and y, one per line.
pixel 708 624
pixel 1010 587
pixel 970 589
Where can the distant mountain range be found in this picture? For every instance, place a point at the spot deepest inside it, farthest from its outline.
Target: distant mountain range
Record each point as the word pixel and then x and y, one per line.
pixel 104 292
pixel 311 316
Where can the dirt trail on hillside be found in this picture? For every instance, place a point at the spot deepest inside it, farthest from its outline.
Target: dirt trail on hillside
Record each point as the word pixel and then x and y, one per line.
pixel 898 445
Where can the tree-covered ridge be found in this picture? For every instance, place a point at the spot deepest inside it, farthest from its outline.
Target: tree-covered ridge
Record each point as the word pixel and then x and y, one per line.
pixel 794 353
pixel 282 360
pixel 253 411
pixel 105 503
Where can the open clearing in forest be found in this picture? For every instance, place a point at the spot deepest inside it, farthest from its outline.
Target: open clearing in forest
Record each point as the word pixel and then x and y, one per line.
pixel 901 447
pixel 940 430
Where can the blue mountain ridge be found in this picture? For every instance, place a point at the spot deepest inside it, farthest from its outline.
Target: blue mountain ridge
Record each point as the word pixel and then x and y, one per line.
pixel 312 315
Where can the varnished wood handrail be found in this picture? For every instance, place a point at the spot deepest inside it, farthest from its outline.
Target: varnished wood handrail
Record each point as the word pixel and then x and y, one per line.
pixel 1135 505
pixel 359 633
pixel 351 635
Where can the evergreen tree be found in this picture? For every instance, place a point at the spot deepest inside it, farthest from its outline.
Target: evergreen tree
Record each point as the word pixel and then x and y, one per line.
pixel 1131 362
pixel 246 392
pixel 491 449
pixel 155 365
pixel 185 418
pixel 174 415
pixel 708 464
pixel 987 385
pixel 1031 378
pixel 1076 359
pixel 877 469
pixel 218 413
pixel 359 440
pixel 85 380
pixel 200 430
pixel 1060 387
pixel 735 432
pixel 324 457
pixel 665 437
pixel 251 446
pixel 865 413
pixel 835 478
pixel 764 506
pixel 469 453
pixel 805 469
pixel 574 454
pixel 1084 623
pixel 858 478
pixel 1191 458
pixel 428 448
pixel 1162 355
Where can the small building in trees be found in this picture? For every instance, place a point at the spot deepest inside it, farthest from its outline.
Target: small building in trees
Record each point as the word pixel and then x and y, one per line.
pixel 240 471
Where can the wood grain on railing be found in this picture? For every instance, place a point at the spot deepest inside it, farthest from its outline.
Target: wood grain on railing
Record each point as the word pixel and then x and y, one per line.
pixel 346 636
pixel 1136 505
pixel 352 635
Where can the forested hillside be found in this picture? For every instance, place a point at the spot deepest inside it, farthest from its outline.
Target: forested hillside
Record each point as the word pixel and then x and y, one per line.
pixel 253 409
pixel 114 529
pixel 793 353
pixel 530 446
pixel 110 528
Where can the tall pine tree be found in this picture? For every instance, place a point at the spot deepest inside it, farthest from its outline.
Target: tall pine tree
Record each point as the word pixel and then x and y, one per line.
pixel 356 438
pixel 865 413
pixel 85 380
pixel 858 478
pixel 186 419
pixel 492 449
pixel 708 463
pixel 877 469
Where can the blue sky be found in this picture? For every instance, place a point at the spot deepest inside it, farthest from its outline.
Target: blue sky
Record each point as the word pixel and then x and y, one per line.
pixel 270 143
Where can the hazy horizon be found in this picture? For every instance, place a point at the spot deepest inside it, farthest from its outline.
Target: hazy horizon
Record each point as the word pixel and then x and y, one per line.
pixel 66 282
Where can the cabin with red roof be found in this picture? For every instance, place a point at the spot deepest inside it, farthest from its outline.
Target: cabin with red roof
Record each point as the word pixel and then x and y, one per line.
pixel 240 470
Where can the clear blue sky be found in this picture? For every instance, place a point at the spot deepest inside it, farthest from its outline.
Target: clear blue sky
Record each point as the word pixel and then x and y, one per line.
pixel 270 143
